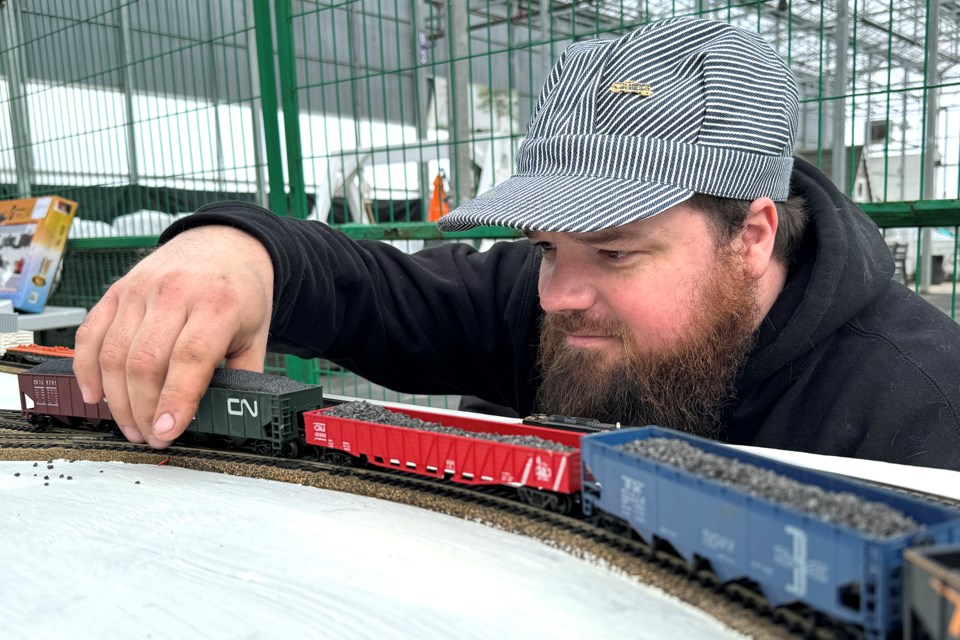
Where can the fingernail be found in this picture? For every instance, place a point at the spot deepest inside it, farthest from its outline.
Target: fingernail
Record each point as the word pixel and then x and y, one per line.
pixel 86 394
pixel 163 424
pixel 157 443
pixel 131 434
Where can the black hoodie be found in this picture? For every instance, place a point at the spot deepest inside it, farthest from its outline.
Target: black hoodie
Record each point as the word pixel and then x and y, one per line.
pixel 848 362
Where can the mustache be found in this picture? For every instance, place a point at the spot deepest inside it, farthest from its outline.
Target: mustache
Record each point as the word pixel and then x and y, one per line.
pixel 581 323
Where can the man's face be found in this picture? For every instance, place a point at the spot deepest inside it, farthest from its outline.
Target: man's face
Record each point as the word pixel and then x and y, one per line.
pixel 647 323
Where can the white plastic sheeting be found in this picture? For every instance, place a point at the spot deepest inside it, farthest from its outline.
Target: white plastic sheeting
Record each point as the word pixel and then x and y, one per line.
pixel 145 551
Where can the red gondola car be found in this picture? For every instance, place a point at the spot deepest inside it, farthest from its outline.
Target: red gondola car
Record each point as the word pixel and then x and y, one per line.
pixel 543 476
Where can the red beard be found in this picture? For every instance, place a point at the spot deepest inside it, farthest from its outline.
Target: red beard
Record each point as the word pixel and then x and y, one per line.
pixel 685 387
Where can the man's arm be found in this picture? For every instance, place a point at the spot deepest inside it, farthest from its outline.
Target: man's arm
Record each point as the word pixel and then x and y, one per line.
pixel 446 320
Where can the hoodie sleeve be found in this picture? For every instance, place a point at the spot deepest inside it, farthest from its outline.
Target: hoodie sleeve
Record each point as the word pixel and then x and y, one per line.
pixel 445 320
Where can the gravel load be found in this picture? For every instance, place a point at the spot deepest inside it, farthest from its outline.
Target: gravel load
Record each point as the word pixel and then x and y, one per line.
pixel 252 381
pixel 843 508
pixel 56 366
pixel 222 378
pixel 367 412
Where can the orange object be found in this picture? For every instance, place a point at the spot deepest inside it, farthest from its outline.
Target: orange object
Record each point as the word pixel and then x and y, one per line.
pixel 438 201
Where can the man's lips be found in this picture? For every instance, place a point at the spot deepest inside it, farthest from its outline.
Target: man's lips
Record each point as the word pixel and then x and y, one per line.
pixel 587 340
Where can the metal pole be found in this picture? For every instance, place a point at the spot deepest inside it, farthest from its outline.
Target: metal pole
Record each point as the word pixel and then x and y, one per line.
pixel 277 198
pixel 932 79
pixel 838 171
pixel 17 105
pixel 357 205
pixel 902 169
pixel 214 80
pixel 546 60
pixel 461 100
pixel 123 47
pixel 256 108
pixel 297 201
pixel 422 102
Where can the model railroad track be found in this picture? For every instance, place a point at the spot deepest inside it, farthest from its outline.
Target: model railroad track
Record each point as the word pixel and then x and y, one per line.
pixel 735 604
pixel 11 420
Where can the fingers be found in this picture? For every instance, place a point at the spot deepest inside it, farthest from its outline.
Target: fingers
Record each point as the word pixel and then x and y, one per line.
pixel 199 348
pixel 147 363
pixel 114 351
pixel 101 346
pixel 89 341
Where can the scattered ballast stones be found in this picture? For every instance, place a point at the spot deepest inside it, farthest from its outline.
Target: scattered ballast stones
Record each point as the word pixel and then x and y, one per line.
pixel 367 412
pixel 873 518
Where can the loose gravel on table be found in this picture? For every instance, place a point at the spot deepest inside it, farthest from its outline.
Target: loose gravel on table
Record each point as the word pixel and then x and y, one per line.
pixel 367 412
pixel 843 508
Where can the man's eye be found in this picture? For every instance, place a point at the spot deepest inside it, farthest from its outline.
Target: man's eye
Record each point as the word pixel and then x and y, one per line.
pixel 545 247
pixel 616 255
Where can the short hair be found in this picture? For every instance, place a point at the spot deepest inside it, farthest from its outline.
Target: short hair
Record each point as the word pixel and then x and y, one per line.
pixel 726 217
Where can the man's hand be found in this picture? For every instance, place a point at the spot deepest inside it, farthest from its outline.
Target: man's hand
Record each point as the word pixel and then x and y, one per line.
pixel 151 344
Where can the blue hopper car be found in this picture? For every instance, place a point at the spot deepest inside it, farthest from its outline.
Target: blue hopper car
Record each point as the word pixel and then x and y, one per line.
pixel 799 562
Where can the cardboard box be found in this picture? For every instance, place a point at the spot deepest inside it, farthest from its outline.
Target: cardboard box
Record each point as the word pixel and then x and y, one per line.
pixel 33 233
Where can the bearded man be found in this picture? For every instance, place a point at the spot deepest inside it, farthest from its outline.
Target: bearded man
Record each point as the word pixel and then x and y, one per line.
pixel 681 268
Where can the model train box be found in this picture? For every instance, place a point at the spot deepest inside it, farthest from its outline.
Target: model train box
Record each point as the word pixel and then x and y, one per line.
pixel 33 233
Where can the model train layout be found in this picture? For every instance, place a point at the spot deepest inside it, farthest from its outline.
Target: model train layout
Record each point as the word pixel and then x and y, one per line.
pixel 819 552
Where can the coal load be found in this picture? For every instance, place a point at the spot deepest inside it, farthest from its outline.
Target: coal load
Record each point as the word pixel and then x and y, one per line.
pixel 367 412
pixel 842 508
pixel 252 381
pixel 58 366
pixel 234 379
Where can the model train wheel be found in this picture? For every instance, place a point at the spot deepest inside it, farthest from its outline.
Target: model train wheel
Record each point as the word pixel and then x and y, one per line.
pixel 339 458
pixel 547 500
pixel 290 449
pixel 42 423
pixel 564 504
pixel 264 448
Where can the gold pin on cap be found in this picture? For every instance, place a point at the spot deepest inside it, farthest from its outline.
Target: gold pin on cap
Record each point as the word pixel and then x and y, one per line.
pixel 632 86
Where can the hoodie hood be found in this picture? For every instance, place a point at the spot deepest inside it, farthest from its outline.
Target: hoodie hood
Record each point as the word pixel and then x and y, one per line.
pixel 843 264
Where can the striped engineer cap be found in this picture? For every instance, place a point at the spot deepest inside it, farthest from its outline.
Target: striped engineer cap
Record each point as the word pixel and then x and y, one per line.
pixel 625 129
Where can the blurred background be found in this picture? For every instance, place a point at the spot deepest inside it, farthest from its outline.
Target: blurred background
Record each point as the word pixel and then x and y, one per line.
pixel 377 116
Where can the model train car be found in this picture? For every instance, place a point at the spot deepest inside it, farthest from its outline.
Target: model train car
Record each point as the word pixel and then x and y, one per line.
pixel 35 353
pixel 806 566
pixel 800 560
pixel 241 408
pixel 544 475
pixel 932 593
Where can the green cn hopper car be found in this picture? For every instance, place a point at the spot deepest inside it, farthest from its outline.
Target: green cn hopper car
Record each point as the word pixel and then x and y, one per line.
pixel 254 410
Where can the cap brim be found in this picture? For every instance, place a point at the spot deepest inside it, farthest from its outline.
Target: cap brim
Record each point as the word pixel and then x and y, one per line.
pixel 574 204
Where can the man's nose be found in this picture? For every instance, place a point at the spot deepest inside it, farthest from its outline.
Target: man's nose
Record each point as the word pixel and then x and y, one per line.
pixel 565 287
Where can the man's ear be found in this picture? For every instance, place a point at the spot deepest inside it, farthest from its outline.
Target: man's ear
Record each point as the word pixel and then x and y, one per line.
pixel 755 241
